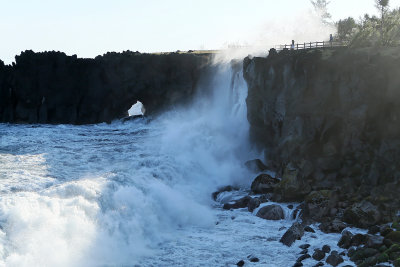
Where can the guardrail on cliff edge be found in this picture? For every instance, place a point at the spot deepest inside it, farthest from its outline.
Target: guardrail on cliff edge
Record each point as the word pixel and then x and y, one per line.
pixel 310 45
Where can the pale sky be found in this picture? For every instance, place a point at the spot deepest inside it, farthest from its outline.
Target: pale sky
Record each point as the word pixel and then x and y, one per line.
pixel 92 27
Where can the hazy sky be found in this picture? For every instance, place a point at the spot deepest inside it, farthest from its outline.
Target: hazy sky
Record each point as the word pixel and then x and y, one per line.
pixel 92 27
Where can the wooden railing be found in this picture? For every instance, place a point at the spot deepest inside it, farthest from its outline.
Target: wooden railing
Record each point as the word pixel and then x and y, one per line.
pixel 310 45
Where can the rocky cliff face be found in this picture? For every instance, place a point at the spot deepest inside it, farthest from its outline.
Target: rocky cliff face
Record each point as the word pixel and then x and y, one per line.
pixel 329 120
pixel 51 87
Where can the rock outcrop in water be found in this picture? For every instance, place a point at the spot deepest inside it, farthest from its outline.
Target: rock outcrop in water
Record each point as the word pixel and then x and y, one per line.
pixel 329 123
pixel 52 87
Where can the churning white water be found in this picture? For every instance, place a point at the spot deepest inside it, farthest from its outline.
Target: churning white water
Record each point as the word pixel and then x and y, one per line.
pixel 137 193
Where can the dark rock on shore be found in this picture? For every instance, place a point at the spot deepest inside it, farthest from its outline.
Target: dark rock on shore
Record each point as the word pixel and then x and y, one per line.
pixel 264 184
pixel 238 204
pixel 295 232
pixel 52 87
pixel 255 202
pixel 363 214
pixel 318 255
pixel 345 240
pixel 334 259
pixel 271 212
pixel 326 248
pixel 335 226
pixel 293 186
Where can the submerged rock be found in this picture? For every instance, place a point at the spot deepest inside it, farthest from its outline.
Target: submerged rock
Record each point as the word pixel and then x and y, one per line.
pixel 309 229
pixel 303 257
pixel 240 263
pixel 271 212
pixel 304 246
pixel 254 259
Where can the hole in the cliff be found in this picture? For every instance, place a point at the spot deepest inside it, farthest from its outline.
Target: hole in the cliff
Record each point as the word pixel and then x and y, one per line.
pixel 137 109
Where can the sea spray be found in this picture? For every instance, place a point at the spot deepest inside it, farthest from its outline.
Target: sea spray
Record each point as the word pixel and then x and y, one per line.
pixel 111 194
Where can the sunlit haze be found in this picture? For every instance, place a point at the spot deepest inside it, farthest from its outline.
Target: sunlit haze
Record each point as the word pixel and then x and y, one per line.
pixel 89 28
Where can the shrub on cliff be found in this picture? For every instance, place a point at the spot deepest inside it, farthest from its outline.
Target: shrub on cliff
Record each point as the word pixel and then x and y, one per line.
pixel 372 30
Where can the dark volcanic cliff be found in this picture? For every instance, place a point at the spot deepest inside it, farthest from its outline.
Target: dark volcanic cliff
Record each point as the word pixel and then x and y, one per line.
pixel 329 120
pixel 51 87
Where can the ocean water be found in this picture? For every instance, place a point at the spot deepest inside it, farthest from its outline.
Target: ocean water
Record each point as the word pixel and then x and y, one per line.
pixel 138 193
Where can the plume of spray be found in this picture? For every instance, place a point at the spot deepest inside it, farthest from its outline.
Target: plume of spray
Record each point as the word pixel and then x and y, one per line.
pixel 306 27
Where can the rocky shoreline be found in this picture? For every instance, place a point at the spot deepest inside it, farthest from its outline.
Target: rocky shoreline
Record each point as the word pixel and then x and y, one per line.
pixel 327 121
pixel 378 247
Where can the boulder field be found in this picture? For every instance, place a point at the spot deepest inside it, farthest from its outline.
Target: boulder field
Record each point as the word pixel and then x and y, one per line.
pixel 51 87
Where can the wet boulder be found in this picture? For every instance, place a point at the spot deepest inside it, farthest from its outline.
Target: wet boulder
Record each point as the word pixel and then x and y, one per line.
pixel 326 248
pixel 293 186
pixel 271 212
pixel 345 240
pixel 358 240
pixel 334 259
pixel 303 257
pixel 263 184
pixel 394 237
pixel 238 204
pixel 363 214
pixel 255 202
pixel 335 226
pixel 295 232
pixel 318 204
pixel 363 253
pixel 374 241
pixel 240 263
pixel 318 255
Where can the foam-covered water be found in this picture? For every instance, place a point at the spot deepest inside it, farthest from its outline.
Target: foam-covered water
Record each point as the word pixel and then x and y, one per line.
pixel 137 193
